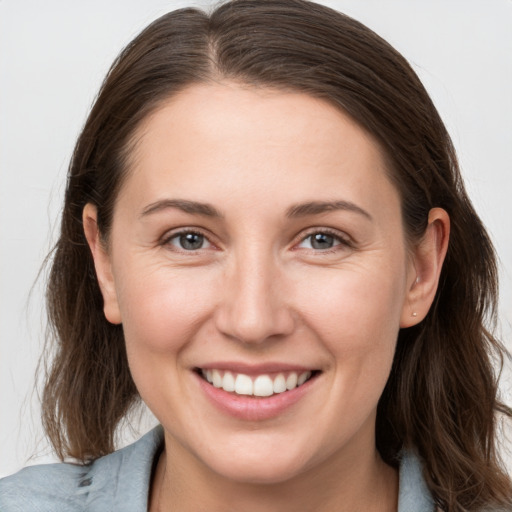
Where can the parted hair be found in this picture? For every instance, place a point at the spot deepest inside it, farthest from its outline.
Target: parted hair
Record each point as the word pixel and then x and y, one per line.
pixel 441 399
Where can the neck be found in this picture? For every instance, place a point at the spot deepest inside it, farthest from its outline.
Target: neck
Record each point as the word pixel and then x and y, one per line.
pixel 363 483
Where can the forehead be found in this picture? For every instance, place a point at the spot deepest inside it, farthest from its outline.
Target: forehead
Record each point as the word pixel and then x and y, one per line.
pixel 244 113
pixel 253 142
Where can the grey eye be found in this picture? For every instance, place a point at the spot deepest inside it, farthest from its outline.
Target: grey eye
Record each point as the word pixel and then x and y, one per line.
pixel 189 241
pixel 320 241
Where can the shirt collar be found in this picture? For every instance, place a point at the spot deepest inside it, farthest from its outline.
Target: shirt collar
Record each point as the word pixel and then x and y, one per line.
pixel 123 478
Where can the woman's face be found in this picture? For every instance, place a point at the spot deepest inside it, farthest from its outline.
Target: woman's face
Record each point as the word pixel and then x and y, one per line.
pixel 256 242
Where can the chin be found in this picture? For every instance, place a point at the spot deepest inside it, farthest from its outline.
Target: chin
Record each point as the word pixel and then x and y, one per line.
pixel 267 464
pixel 268 471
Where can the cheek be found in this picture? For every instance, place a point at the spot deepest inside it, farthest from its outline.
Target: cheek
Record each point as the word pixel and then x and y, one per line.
pixel 356 313
pixel 361 306
pixel 162 308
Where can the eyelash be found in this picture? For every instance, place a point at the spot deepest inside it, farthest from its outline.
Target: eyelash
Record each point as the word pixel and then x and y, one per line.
pixel 167 240
pixel 343 242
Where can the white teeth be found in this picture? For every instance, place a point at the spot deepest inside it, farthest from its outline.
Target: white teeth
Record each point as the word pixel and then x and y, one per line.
pixel 279 384
pixel 243 385
pixel 263 385
pixel 291 381
pixel 216 378
pixel 303 377
pixel 228 382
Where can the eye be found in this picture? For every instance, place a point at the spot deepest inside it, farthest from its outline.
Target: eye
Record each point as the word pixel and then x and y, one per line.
pixel 188 241
pixel 321 240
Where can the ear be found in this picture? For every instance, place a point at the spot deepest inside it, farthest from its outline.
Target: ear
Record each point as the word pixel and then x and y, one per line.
pixel 102 264
pixel 428 257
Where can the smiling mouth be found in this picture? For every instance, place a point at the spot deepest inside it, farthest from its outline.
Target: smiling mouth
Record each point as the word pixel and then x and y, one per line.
pixel 263 385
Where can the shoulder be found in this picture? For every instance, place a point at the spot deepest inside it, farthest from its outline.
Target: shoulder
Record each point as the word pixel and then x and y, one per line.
pixel 41 488
pixel 413 491
pixel 104 485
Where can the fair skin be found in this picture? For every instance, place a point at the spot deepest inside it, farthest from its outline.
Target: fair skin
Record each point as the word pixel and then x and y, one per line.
pixel 295 261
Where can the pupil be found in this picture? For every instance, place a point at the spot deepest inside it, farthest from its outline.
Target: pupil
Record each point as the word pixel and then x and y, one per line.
pixel 191 241
pixel 322 241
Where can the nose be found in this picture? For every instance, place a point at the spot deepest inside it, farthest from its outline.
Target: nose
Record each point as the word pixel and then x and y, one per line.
pixel 254 306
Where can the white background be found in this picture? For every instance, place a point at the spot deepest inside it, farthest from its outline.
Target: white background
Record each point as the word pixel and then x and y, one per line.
pixel 53 56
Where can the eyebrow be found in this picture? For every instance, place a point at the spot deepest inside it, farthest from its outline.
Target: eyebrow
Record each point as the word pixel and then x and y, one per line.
pixel 192 207
pixel 298 210
pixel 318 207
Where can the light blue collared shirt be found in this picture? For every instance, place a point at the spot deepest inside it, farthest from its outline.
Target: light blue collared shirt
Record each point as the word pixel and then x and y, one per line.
pixel 120 482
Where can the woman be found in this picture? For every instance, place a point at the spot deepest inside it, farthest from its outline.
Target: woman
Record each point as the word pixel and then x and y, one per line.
pixel 266 238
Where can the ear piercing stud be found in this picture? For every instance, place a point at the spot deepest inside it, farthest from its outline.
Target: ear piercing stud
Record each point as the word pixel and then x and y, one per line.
pixel 414 313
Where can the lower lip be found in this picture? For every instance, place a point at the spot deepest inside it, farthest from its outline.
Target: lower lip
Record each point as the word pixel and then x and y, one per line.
pixel 250 408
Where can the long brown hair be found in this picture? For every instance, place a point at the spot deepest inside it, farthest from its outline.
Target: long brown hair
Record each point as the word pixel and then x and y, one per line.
pixel 441 397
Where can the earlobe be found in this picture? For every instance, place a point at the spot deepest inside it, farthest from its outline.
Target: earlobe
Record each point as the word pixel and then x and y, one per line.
pixel 102 264
pixel 428 258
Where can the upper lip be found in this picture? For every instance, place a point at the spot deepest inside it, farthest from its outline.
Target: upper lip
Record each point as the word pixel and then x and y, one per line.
pixel 256 369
